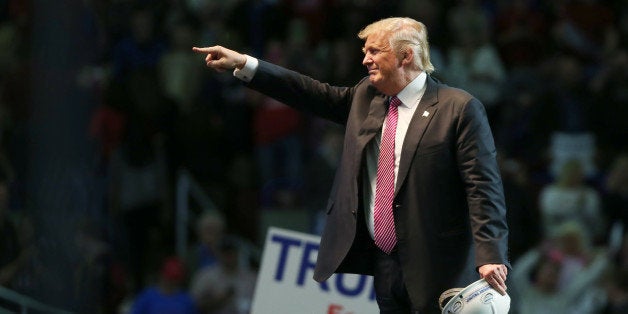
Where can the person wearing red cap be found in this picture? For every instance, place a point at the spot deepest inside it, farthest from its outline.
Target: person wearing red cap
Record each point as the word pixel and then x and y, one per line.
pixel 166 296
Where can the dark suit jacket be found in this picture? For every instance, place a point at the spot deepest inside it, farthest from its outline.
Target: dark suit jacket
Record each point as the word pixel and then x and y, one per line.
pixel 449 205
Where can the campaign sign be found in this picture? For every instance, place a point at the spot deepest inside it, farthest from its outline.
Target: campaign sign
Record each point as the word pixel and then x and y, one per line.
pixel 285 283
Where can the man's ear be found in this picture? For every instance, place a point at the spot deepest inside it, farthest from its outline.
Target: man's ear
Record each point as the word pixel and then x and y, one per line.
pixel 407 57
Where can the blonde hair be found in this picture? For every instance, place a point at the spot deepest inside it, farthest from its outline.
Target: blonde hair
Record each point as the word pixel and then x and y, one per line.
pixel 404 33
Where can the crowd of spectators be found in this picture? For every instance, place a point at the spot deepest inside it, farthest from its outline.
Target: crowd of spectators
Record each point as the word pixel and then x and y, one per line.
pixel 553 76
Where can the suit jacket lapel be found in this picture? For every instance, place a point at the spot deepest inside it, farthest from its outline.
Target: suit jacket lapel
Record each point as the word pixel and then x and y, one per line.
pixel 420 120
pixel 374 120
pixel 370 126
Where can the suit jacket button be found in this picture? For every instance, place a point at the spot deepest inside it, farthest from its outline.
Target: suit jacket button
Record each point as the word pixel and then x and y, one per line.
pixel 353 211
pixel 397 206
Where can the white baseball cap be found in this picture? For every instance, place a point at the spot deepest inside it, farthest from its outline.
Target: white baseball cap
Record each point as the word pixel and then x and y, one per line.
pixel 476 298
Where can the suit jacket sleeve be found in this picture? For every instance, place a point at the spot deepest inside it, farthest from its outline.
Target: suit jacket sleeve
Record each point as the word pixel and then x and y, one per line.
pixel 303 92
pixel 476 157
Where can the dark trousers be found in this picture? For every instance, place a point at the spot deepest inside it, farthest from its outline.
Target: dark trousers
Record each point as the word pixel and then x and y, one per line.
pixel 390 288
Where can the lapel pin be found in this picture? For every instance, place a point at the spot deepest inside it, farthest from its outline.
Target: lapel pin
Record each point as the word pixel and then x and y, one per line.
pixel 425 113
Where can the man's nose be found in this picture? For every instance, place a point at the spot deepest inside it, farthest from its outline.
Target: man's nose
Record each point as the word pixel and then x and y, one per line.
pixel 367 59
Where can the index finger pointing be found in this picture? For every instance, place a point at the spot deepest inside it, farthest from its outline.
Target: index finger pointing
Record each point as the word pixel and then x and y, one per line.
pixel 203 50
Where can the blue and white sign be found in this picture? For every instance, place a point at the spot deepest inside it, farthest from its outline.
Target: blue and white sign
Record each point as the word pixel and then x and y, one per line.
pixel 285 283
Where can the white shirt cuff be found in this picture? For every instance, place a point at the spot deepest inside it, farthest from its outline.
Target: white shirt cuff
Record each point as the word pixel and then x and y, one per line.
pixel 248 71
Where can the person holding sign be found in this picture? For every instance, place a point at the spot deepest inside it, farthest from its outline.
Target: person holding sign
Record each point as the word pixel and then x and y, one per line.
pixel 417 200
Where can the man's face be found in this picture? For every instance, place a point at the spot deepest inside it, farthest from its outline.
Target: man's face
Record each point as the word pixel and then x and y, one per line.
pixel 383 66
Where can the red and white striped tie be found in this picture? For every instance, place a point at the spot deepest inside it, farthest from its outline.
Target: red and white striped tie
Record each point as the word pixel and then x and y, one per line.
pixel 385 236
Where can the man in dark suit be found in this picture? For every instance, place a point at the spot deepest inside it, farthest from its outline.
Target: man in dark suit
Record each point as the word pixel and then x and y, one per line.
pixel 427 213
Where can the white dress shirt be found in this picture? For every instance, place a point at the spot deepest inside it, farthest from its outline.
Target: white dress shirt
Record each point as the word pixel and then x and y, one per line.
pixel 248 70
pixel 410 97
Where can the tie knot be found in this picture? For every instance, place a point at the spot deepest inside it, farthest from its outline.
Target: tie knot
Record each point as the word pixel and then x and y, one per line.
pixel 394 101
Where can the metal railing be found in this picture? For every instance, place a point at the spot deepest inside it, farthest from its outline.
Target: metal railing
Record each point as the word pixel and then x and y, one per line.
pixel 188 188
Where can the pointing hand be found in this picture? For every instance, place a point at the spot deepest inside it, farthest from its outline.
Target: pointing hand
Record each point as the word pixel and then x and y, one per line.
pixel 221 59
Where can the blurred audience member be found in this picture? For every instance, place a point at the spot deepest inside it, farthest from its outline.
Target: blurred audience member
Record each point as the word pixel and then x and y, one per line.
pixel 521 34
pixel 242 198
pixel 475 65
pixel 9 40
pixel 142 49
pixel 109 121
pixel 139 193
pixel 616 280
pixel 523 214
pixel 521 129
pixel 566 100
pixel 178 67
pixel 227 287
pixel 617 292
pixel 469 16
pixel 608 87
pixel 580 26
pixel 537 280
pixel 278 143
pixel 210 230
pixel 211 16
pixel 616 191
pixel 569 198
pixel 321 168
pixel 576 251
pixel 256 22
pixel 167 296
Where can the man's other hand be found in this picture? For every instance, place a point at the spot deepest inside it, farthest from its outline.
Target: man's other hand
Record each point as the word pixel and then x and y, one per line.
pixel 495 275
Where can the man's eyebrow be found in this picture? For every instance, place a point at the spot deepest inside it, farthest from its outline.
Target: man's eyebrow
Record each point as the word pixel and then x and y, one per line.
pixel 371 47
